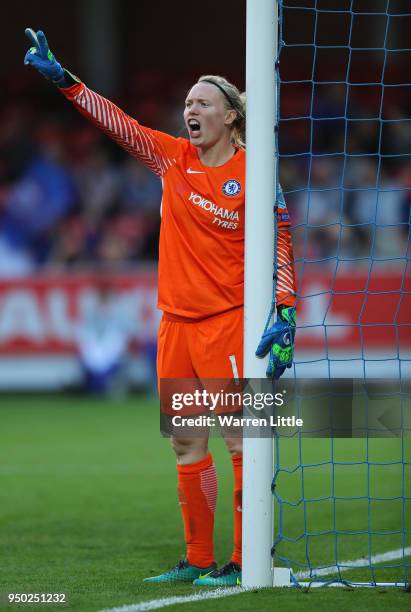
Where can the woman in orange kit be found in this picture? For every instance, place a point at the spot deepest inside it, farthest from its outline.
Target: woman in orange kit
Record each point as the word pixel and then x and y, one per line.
pixel 201 277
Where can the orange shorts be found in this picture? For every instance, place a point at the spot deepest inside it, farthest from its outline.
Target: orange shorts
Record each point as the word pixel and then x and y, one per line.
pixel 199 351
pixel 210 348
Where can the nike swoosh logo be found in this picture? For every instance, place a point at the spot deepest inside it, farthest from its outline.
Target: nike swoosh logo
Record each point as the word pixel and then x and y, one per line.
pixel 189 171
pixel 204 575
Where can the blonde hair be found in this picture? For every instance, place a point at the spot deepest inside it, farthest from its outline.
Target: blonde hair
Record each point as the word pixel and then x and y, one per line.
pixel 234 100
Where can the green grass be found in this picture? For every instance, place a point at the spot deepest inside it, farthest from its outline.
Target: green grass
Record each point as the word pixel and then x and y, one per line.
pixel 88 506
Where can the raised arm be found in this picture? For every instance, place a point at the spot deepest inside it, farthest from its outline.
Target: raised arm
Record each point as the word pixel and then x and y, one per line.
pixel 155 149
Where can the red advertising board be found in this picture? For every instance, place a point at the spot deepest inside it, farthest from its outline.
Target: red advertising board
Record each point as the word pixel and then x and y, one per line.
pixel 348 310
pixel 355 309
pixel 39 315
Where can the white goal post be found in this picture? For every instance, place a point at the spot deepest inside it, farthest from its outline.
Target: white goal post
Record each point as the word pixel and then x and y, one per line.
pixel 262 38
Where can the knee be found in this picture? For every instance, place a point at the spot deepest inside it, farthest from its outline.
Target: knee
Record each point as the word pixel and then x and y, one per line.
pixel 189 450
pixel 234 445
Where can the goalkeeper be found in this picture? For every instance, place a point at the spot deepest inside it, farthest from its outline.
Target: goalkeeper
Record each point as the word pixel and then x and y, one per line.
pixel 201 277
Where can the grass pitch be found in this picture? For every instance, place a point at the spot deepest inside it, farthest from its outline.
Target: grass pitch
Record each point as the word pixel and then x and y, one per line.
pixel 88 506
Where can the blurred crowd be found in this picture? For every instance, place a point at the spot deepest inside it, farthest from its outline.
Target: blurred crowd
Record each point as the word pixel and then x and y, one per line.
pixel 351 198
pixel 70 198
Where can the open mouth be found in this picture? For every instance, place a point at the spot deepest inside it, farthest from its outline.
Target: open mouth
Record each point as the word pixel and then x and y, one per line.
pixel 194 128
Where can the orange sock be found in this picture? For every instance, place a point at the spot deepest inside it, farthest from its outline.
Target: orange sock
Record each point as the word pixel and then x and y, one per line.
pixel 197 490
pixel 238 507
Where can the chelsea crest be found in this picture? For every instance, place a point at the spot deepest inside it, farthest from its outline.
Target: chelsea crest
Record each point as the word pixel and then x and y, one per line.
pixel 231 187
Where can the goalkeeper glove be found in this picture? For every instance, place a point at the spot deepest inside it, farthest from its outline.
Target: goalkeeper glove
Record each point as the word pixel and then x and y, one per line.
pixel 278 340
pixel 40 57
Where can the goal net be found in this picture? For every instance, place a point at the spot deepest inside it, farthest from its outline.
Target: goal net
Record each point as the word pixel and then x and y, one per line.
pixel 342 506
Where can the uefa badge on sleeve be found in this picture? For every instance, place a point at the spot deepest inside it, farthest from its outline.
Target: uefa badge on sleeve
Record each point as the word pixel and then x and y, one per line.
pixel 231 188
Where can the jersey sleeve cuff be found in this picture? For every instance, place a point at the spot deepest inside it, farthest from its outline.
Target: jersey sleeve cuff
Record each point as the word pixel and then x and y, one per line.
pixel 72 91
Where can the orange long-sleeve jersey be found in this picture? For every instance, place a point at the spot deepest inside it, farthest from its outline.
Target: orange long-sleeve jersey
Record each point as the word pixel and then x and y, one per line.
pixel 201 258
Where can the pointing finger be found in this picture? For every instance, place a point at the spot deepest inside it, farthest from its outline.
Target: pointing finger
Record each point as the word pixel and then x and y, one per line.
pixel 32 36
pixel 43 44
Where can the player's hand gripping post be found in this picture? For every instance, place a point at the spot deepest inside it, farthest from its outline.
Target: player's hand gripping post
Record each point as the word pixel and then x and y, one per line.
pixel 40 57
pixel 278 341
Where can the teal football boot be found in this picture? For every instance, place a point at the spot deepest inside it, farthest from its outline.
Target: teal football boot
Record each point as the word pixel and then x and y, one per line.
pixel 182 572
pixel 229 575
